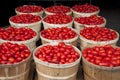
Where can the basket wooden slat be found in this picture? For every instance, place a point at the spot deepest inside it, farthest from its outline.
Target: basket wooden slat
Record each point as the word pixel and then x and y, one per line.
pixel 18 71
pixel 95 72
pixel 49 71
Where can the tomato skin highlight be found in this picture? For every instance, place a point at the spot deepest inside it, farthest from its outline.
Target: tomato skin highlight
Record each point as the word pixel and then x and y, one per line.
pixel 17 34
pixel 58 9
pixel 58 19
pixel 85 8
pixel 91 20
pixel 62 33
pixel 63 55
pixel 29 8
pixel 107 55
pixel 105 34
pixel 14 54
pixel 25 18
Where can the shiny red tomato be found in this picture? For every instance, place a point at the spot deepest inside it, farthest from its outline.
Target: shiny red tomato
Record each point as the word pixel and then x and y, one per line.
pixel 58 54
pixel 103 55
pixel 12 53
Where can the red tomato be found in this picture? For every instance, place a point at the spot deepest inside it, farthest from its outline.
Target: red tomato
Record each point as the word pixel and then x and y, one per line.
pixel 58 54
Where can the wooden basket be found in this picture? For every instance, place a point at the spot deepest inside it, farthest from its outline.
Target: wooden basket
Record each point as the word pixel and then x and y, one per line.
pixel 35 26
pixel 49 13
pixel 95 72
pixel 78 14
pixel 79 26
pixel 48 25
pixel 18 71
pixel 50 71
pixel 73 41
pixel 85 43
pixel 33 13
pixel 31 43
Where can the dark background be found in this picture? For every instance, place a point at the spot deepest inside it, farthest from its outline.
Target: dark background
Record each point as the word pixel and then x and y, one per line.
pixel 110 9
pixel 8 6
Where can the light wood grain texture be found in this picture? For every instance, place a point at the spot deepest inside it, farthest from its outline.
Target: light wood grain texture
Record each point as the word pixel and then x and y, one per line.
pixel 17 71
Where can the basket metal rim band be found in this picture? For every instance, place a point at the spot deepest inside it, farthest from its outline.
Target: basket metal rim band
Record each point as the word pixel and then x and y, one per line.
pixel 12 77
pixel 58 78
